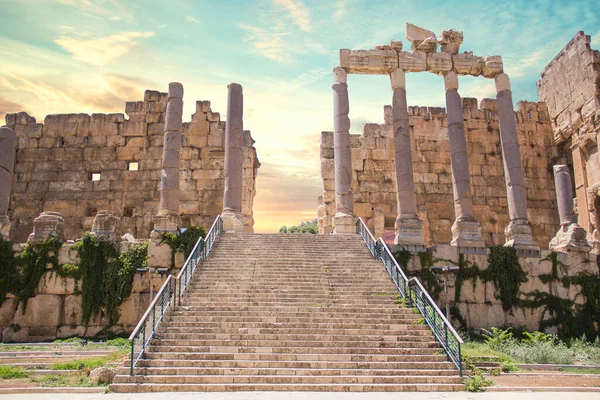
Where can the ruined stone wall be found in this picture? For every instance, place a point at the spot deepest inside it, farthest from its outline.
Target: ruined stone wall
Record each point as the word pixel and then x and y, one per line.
pixel 54 311
pixel 373 180
pixel 479 303
pixel 570 86
pixel 55 162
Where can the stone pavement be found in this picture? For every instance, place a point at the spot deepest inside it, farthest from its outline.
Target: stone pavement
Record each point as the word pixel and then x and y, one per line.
pixel 309 395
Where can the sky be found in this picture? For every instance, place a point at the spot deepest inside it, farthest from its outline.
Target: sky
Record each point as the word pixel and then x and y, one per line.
pixel 66 56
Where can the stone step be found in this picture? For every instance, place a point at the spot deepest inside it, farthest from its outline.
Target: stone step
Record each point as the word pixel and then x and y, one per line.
pixel 234 387
pixel 318 308
pixel 299 327
pixel 275 337
pixel 162 347
pixel 292 320
pixel 297 354
pixel 403 331
pixel 286 371
pixel 287 379
pixel 180 339
pixel 415 362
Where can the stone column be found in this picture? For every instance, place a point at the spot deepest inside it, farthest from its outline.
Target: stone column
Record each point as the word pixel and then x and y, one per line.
pixel 466 231
pixel 168 219
pixel 570 236
pixel 409 228
pixel 234 160
pixel 8 143
pixel 344 220
pixel 518 231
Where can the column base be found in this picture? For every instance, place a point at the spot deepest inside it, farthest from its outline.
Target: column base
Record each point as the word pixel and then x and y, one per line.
pixel 232 221
pixel 4 226
pixel 47 224
pixel 518 235
pixel 467 234
pixel 409 233
pixel 167 221
pixel 344 224
pixel 570 237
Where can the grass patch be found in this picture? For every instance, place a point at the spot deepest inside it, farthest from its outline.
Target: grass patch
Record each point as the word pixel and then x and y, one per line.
pixel 63 381
pixel 83 364
pixel 8 372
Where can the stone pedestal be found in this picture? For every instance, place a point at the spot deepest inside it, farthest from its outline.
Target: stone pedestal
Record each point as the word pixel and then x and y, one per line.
pixel 518 235
pixel 49 223
pixel 518 232
pixel 167 221
pixel 232 221
pixel 344 221
pixel 409 228
pixel 570 237
pixel 4 226
pixel 107 225
pixel 467 233
pixel 344 224
pixel 409 233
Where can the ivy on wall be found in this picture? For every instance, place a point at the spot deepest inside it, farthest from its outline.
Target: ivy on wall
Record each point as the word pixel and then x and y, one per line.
pixel 20 274
pixel 184 241
pixel 106 275
pixel 504 270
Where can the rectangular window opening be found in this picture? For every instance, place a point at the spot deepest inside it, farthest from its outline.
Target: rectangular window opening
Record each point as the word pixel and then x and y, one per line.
pixel 128 212
pixel 95 176
pixel 91 212
pixel 133 166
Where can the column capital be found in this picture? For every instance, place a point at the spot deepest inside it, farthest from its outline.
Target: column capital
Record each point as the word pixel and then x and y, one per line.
pixel 175 90
pixel 339 75
pixel 398 79
pixel 451 81
pixel 502 82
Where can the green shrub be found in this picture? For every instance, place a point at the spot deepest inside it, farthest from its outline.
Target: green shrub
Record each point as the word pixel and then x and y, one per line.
pixel 8 372
pixel 477 382
pixel 497 338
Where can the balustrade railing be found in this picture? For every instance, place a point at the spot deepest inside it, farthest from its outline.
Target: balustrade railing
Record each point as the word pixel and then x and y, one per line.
pixel 415 295
pixel 170 294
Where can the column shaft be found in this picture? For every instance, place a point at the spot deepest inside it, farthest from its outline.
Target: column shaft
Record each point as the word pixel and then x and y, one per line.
pixel 169 186
pixel 234 142
pixel 403 156
pixel 8 143
pixel 518 232
pixel 344 220
pixel 459 161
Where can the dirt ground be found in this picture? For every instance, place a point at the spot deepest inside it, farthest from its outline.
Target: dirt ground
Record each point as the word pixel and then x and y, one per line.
pixel 548 380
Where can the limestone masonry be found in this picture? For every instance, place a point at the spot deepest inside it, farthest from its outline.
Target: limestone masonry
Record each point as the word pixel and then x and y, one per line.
pixel 78 164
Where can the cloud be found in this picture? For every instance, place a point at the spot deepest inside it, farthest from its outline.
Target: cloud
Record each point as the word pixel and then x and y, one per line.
pixel 267 43
pixel 533 61
pixel 102 9
pixel 7 107
pixel 103 50
pixel 192 19
pixel 341 8
pixel 298 12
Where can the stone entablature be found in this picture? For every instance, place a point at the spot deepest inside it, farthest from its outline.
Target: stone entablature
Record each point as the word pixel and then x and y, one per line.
pixel 570 85
pixel 55 162
pixel 373 175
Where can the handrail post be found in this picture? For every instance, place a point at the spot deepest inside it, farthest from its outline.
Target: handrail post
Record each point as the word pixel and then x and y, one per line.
pixel 132 349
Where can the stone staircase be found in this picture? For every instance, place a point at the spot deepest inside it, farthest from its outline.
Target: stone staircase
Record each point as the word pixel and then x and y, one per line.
pixel 291 313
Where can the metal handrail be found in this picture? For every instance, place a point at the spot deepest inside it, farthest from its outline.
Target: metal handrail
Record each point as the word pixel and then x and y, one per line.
pixel 170 293
pixel 163 299
pixel 199 253
pixel 414 293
